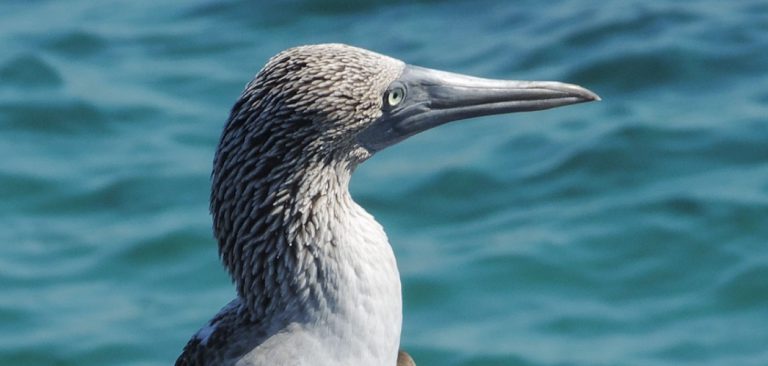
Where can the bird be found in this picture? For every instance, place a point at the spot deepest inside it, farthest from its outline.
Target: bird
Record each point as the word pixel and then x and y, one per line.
pixel 317 281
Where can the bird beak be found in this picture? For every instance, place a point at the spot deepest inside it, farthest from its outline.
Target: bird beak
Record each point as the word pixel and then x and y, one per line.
pixel 431 98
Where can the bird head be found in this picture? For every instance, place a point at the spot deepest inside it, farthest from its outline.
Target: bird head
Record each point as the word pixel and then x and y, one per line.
pixel 339 100
pixel 318 98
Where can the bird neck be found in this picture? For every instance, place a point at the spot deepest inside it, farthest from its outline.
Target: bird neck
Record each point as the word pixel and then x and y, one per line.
pixel 328 267
pixel 278 232
pixel 299 249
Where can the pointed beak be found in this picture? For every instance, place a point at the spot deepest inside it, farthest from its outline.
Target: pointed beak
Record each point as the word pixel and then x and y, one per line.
pixel 423 98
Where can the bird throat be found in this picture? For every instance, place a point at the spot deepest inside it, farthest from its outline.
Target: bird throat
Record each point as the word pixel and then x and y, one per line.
pixel 279 232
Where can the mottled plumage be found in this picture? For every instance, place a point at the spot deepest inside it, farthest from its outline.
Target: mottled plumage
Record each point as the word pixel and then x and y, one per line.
pixel 316 278
pixel 281 210
pixel 284 163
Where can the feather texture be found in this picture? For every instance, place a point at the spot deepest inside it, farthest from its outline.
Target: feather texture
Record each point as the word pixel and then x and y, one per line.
pixel 316 279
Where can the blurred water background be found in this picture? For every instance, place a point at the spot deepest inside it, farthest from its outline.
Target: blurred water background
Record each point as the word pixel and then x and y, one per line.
pixel 627 232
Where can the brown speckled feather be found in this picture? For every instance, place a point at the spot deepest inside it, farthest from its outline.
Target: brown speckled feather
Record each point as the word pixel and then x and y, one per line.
pixel 404 359
pixel 225 339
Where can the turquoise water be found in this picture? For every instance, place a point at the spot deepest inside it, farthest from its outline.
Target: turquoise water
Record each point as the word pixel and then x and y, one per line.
pixel 627 232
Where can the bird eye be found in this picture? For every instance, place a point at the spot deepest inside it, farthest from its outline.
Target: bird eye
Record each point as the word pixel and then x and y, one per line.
pixel 395 96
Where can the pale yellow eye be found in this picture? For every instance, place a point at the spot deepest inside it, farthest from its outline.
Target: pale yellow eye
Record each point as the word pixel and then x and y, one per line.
pixel 395 96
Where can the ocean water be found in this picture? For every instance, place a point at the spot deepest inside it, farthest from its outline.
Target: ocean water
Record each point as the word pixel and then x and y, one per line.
pixel 626 232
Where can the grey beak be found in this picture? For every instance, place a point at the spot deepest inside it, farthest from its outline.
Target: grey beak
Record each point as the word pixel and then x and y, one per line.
pixel 432 98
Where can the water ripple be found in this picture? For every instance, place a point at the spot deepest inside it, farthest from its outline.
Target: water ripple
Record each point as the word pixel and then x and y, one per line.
pixel 626 232
pixel 29 71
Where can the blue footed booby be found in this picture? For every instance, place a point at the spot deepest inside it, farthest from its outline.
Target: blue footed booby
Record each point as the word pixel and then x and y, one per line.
pixel 317 282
